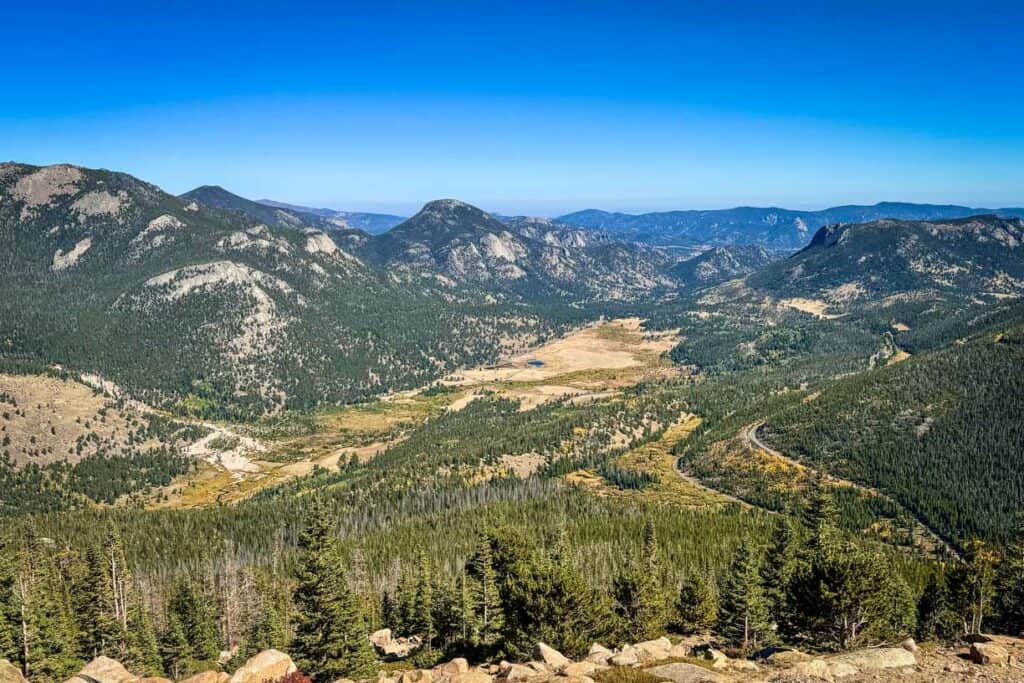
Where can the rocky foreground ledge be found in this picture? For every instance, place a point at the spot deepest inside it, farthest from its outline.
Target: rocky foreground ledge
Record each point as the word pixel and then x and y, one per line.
pixel 691 660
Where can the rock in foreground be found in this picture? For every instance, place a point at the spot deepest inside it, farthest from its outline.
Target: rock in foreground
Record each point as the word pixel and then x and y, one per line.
pixel 269 665
pixel 10 673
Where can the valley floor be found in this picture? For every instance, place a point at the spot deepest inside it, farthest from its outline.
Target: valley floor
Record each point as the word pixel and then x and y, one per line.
pixel 592 363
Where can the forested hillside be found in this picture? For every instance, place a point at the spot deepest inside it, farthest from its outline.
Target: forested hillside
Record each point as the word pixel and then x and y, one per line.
pixel 856 264
pixel 237 318
pixel 941 432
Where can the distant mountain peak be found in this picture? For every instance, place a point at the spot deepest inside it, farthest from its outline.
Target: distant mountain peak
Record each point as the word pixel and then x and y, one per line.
pixel 449 205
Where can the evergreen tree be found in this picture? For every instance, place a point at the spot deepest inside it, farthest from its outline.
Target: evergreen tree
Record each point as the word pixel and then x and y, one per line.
pixel 637 592
pixel 639 602
pixel 845 596
pixel 446 614
pixel 545 600
pixel 49 643
pixel 9 615
pixel 487 616
pixel 973 585
pixel 143 649
pixel 936 618
pixel 839 594
pixel 777 570
pixel 743 609
pixel 697 606
pixel 268 630
pixel 174 648
pixel 405 604
pixel 99 630
pixel 650 549
pixel 821 519
pixel 330 634
pixel 423 603
pixel 1009 589
pixel 189 604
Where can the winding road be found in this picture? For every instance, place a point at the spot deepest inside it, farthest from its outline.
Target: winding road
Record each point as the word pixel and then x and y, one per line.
pixel 753 439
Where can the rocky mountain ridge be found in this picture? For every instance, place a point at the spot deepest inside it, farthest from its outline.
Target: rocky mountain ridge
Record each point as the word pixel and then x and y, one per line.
pixel 851 264
pixel 772 227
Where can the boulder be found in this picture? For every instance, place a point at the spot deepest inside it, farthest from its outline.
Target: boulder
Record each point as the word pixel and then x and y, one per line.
pixel 680 650
pixel 572 679
pixel 692 643
pixel 208 677
pixel 550 656
pixel 10 673
pixel 582 668
pixel 344 680
pixel 416 676
pixel 743 665
pixel 153 679
pixel 876 658
pixel 628 657
pixel 719 659
pixel 989 653
pixel 105 670
pixel 681 672
pixel 474 676
pixel 391 648
pixel 653 650
pixel 381 639
pixel 459 665
pixel 539 667
pixel 816 669
pixel 599 654
pixel 909 645
pixel 786 657
pixel 269 665
pixel 515 672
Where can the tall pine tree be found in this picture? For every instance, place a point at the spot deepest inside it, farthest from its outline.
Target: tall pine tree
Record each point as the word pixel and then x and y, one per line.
pixel 1009 589
pixel 100 632
pixel 330 634
pixel 487 615
pixel 743 608
pixel 637 591
pixel 696 606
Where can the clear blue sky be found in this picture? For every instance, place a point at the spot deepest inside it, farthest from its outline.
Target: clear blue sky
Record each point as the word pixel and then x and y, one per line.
pixel 528 107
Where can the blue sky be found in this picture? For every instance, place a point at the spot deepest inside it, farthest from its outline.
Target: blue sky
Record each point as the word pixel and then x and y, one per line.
pixel 528 107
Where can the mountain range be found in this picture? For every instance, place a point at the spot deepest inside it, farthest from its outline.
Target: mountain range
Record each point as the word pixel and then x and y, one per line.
pixel 773 227
pixel 245 308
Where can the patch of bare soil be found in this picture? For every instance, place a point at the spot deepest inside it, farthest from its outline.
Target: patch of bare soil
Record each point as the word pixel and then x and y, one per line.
pixel 815 307
pixel 44 419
